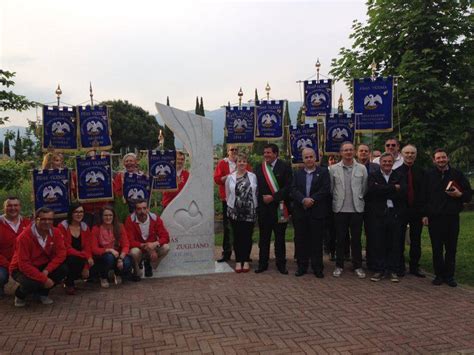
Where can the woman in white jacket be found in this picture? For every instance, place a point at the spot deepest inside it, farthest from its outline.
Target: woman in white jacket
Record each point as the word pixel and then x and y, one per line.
pixel 241 196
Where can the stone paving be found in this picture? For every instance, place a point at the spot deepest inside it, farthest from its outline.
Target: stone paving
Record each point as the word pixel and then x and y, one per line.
pixel 246 313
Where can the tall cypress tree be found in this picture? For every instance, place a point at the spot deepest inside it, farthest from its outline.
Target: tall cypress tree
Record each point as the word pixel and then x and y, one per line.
pixel 169 135
pixel 18 147
pixel 258 145
pixel 6 146
pixel 197 109
pixel 201 108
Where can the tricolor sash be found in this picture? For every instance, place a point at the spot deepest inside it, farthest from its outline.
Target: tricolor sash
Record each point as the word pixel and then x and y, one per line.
pixel 282 211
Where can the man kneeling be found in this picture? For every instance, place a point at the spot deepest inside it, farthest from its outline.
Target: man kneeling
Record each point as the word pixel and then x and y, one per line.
pixel 149 239
pixel 38 262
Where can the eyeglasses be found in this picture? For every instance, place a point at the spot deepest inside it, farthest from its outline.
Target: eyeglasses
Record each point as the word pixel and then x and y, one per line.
pixel 390 145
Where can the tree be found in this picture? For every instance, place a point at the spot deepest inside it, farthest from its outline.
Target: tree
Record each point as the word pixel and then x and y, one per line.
pixel 18 147
pixel 9 135
pixel 300 118
pixel 132 127
pixel 10 100
pixel 430 44
pixel 31 143
pixel 201 108
pixel 168 133
pixel 197 108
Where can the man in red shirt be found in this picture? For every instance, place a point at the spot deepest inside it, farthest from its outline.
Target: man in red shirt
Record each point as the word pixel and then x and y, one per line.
pixel 12 224
pixel 38 262
pixel 182 176
pixel 149 239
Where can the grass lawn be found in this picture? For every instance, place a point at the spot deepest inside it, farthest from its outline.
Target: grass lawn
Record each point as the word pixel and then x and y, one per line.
pixel 464 257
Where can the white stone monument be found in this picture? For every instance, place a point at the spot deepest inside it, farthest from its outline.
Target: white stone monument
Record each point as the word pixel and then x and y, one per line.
pixel 189 218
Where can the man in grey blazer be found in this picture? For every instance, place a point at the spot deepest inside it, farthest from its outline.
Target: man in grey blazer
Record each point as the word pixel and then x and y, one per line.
pixel 348 187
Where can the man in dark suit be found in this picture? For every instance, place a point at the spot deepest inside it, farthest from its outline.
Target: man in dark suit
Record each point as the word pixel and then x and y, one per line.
pixel 274 182
pixel 445 190
pixel 385 204
pixel 310 192
pixel 413 177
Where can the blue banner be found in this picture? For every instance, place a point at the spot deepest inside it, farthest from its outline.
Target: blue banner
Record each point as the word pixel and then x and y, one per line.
pixel 59 128
pixel 373 104
pixel 301 137
pixel 136 187
pixel 240 124
pixel 51 189
pixel 269 120
pixel 94 179
pixel 94 127
pixel 339 128
pixel 162 168
pixel 318 97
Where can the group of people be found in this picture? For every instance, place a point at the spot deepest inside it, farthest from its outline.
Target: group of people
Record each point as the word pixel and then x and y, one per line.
pixel 39 255
pixel 331 206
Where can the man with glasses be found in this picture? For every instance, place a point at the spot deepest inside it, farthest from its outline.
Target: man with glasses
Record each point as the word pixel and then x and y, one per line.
pixel 224 168
pixel 392 146
pixel 12 223
pixel 38 262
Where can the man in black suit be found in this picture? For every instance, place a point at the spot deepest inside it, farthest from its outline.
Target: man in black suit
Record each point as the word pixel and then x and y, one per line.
pixel 274 182
pixel 385 204
pixel 413 177
pixel 445 190
pixel 310 191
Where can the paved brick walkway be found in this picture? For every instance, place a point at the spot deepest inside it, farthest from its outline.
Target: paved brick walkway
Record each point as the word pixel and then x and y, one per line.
pixel 246 313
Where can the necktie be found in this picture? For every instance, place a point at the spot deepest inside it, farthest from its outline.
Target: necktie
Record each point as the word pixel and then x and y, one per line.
pixel 411 192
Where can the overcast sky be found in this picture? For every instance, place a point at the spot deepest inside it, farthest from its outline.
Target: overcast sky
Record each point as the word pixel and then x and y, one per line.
pixel 143 51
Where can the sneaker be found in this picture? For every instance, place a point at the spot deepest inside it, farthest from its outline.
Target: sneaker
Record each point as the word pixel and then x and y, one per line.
pixel 46 300
pixel 437 281
pixel 394 277
pixel 111 276
pixel 19 302
pixel 376 277
pixel 360 273
pixel 104 283
pixel 118 280
pixel 337 271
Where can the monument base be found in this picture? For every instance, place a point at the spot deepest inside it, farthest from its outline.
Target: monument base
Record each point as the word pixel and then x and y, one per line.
pixel 217 268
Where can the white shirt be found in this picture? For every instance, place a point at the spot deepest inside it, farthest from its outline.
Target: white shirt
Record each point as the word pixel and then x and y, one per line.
pixel 41 241
pixel 232 165
pixel 397 163
pixel 387 177
pixel 144 227
pixel 13 225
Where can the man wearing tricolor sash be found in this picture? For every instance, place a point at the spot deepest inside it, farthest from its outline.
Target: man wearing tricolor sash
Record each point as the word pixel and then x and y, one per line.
pixel 274 181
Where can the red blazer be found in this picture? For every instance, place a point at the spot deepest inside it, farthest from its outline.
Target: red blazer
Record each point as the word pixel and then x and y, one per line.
pixel 86 241
pixel 157 231
pixel 97 249
pixel 8 239
pixel 169 196
pixel 222 169
pixel 117 184
pixel 29 255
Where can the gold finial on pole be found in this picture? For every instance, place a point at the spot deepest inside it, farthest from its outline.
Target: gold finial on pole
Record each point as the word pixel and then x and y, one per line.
pixel 267 89
pixel 91 94
pixel 340 104
pixel 59 93
pixel 161 140
pixel 373 68
pixel 318 66
pixel 240 94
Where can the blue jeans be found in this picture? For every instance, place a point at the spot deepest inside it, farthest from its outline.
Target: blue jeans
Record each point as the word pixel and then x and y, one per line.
pixel 108 261
pixel 3 278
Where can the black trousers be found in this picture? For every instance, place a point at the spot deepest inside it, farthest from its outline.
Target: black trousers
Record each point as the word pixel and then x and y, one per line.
pixel 386 242
pixel 242 232
pixel 444 232
pixel 28 286
pixel 226 242
pixel 348 222
pixel 309 235
pixel 416 227
pixel 266 227
pixel 369 241
pixel 75 265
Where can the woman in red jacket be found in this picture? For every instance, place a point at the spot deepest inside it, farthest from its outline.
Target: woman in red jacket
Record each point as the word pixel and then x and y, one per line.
pixel 110 247
pixel 77 239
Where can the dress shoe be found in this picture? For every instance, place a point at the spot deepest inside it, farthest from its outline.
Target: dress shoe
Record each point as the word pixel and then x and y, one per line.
pixel 451 282
pixel 245 267
pixel 417 273
pixel 283 270
pixel 437 281
pixel 401 273
pixel 300 272
pixel 148 270
pixel 223 259
pixel 319 274
pixel 260 269
pixel 238 268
